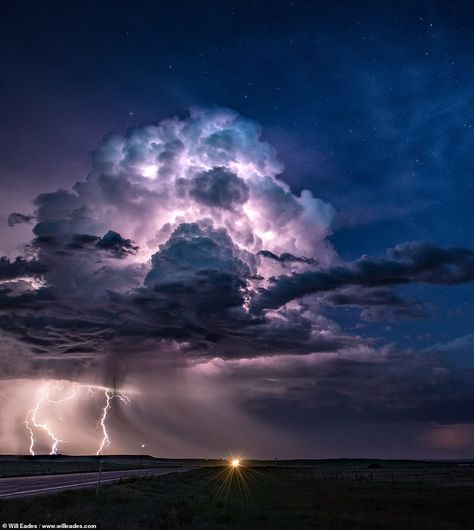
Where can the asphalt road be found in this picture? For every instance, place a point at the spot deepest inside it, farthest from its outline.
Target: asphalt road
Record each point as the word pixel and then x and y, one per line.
pixel 35 485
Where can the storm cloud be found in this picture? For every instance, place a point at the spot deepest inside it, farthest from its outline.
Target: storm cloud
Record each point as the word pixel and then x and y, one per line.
pixel 185 247
pixel 20 266
pixel 184 231
pixel 16 218
pixel 406 263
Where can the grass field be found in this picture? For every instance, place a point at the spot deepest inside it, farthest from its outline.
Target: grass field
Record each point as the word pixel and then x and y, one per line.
pixel 51 465
pixel 257 498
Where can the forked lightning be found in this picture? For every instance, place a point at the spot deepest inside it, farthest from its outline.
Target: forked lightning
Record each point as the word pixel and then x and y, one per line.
pixel 47 398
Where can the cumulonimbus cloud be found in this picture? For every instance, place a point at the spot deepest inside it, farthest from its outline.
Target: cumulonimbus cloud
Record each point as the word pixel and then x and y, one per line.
pixel 186 231
pixel 184 251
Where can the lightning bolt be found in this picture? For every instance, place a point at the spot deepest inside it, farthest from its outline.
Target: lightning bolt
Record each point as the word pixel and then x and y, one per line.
pixel 32 422
pixel 31 419
pixel 109 395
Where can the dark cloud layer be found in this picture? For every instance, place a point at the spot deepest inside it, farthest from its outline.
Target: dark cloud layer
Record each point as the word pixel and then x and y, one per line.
pixel 20 266
pixel 378 303
pixel 112 243
pixel 286 257
pixel 16 218
pixel 406 263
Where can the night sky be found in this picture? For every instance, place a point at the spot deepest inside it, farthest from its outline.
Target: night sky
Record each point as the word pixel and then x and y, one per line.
pixel 247 225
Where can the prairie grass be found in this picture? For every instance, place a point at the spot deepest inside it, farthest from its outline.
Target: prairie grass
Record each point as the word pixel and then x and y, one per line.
pixel 253 498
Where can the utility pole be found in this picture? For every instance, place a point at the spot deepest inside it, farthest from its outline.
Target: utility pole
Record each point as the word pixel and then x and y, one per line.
pixel 99 477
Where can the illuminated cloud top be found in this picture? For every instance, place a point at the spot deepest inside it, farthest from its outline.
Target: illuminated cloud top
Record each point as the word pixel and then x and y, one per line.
pixel 175 225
